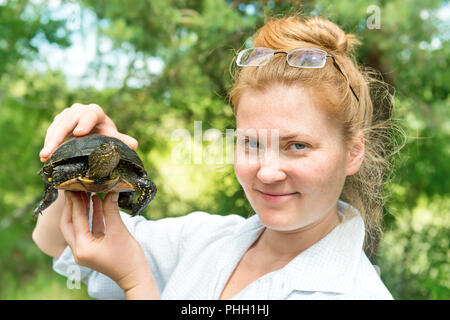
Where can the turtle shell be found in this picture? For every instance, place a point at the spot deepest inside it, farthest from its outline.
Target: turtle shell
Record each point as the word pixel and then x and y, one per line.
pixel 83 146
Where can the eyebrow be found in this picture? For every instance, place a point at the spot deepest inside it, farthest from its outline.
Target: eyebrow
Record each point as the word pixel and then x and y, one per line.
pixel 288 136
pixel 295 135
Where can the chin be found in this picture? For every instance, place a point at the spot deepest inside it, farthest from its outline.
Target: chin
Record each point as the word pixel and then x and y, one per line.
pixel 279 220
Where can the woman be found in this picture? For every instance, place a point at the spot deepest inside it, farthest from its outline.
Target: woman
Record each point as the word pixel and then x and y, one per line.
pixel 304 105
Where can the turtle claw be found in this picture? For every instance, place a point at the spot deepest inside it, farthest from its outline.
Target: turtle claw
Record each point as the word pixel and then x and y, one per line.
pixel 36 211
pixel 50 195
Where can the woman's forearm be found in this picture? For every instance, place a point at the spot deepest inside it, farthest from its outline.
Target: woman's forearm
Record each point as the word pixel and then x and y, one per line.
pixel 47 234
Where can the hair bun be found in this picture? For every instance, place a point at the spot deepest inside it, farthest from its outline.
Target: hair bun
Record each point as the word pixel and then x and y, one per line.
pixel 294 31
pixel 331 36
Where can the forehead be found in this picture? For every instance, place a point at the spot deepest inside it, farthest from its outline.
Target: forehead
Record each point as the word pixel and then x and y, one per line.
pixel 287 108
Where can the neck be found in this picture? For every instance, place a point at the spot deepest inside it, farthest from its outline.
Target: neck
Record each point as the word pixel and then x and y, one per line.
pixel 286 245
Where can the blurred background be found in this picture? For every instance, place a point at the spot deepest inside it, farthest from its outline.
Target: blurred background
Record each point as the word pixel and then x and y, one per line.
pixel 157 66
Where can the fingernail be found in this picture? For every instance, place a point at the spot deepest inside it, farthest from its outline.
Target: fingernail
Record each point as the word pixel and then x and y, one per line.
pixel 79 129
pixel 115 197
pixel 44 151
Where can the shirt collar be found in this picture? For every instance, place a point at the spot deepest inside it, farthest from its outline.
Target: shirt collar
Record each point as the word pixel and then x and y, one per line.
pixel 330 265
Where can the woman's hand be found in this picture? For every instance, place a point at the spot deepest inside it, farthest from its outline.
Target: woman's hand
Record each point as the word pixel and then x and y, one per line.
pixel 109 248
pixel 79 120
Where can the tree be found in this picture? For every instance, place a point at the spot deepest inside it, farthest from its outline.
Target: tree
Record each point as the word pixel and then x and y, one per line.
pixel 194 42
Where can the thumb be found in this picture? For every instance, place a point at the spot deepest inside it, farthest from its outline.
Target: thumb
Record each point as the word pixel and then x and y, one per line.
pixel 113 221
pixel 130 141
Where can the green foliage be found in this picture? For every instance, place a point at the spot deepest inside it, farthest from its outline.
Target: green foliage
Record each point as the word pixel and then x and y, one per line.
pixel 20 23
pixel 195 41
pixel 414 256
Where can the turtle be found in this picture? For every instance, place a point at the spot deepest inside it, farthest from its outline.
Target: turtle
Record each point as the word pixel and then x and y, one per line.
pixel 97 163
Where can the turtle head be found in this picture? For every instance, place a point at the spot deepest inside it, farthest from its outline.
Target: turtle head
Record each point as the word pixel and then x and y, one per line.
pixel 103 160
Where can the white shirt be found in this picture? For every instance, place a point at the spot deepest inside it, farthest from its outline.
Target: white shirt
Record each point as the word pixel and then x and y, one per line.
pixel 193 256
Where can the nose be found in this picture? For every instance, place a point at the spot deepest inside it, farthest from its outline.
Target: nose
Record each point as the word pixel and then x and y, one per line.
pixel 270 170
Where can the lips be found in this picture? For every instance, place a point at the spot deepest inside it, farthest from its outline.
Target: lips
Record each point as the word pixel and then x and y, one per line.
pixel 277 194
pixel 275 197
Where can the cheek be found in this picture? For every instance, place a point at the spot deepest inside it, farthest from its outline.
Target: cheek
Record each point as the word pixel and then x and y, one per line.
pixel 245 174
pixel 320 174
pixel 244 169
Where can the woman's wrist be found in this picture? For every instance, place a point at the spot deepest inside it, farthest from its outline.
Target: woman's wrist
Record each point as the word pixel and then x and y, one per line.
pixel 139 284
pixel 145 290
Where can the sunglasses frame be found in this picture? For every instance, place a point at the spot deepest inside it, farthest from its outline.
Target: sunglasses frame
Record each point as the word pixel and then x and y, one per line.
pixel 274 52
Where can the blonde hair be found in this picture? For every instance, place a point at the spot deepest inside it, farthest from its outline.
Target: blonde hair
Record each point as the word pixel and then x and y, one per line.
pixel 371 115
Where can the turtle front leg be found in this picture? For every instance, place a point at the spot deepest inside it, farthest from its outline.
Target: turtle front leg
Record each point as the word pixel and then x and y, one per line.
pixel 126 200
pixel 53 176
pixel 50 195
pixel 147 191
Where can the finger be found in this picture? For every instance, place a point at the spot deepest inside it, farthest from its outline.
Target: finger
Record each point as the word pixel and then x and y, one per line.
pixel 55 123
pixel 47 150
pixel 56 135
pixel 109 128
pixel 113 221
pixel 66 225
pixel 90 116
pixel 79 215
pixel 98 226
pixel 85 198
pixel 129 141
pixel 62 129
pixel 67 122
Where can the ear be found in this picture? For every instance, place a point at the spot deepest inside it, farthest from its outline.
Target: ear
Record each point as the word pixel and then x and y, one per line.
pixel 355 155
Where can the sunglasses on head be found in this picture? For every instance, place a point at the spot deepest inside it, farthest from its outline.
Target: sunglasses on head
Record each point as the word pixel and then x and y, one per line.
pixel 298 58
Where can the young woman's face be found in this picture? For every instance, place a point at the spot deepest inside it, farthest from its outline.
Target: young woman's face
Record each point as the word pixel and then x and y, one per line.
pixel 297 182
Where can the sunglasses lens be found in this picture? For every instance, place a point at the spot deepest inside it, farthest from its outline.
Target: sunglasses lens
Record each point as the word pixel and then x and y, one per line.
pixel 307 58
pixel 254 57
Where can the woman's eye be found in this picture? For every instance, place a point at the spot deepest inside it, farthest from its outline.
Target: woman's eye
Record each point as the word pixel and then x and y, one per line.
pixel 251 144
pixel 298 146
